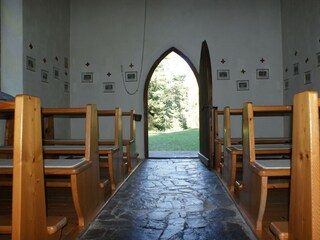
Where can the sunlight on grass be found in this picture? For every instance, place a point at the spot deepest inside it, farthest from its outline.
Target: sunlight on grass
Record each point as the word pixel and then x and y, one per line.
pixel 185 140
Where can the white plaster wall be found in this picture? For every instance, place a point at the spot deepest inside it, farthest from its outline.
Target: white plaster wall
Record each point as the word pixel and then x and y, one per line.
pixel 46 27
pixel 11 46
pixel 109 34
pixel 301 35
pixel 0 43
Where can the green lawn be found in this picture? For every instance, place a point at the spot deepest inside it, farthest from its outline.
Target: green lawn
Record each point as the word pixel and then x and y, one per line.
pixel 186 140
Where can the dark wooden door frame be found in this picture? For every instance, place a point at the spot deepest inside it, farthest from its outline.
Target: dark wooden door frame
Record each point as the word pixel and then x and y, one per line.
pixel 146 87
pixel 205 106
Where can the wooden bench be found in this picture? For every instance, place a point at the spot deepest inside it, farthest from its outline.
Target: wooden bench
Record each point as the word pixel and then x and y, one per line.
pixel 266 146
pixel 29 219
pixel 258 175
pixel 110 150
pixel 129 141
pixel 82 174
pixel 219 141
pixel 304 209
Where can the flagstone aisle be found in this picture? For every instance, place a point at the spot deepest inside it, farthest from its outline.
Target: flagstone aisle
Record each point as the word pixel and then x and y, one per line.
pixel 170 199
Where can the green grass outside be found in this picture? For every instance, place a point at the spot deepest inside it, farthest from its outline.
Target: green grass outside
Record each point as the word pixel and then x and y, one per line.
pixel 186 140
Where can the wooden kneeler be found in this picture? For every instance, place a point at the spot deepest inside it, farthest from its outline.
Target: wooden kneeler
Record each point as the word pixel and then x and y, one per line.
pixel 304 210
pixel 29 220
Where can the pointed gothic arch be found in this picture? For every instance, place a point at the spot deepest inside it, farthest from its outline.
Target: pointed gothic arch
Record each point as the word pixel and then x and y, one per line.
pixel 146 87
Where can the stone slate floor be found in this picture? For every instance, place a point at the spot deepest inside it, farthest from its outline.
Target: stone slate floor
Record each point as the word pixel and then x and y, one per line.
pixel 170 199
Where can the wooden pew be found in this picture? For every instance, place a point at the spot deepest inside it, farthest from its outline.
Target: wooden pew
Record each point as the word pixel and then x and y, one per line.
pixel 258 175
pixel 229 160
pixel 270 146
pixel 304 210
pixel 29 219
pixel 219 141
pixel 110 150
pixel 129 142
pixel 82 175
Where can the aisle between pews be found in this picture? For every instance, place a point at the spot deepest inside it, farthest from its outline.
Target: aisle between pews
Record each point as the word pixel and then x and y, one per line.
pixel 170 199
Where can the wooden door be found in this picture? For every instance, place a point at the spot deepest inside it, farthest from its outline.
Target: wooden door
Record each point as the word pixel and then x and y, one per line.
pixel 205 105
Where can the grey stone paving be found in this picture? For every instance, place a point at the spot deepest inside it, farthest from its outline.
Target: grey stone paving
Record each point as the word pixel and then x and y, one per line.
pixel 170 199
pixel 173 154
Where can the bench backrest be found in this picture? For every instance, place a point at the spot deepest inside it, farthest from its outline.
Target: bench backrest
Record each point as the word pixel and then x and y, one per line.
pixel 132 124
pixel 49 113
pixel 248 130
pixel 117 115
pixel 304 216
pixel 227 112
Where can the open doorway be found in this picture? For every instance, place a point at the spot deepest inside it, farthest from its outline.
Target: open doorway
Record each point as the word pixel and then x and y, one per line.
pixel 172 108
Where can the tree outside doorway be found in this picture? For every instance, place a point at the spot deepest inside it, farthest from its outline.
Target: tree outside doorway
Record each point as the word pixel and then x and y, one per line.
pixel 173 107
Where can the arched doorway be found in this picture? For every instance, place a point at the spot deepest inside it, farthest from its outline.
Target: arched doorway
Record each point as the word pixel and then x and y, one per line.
pixel 146 87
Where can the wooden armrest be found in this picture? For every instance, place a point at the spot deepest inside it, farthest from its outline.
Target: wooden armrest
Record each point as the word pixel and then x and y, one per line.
pixel 55 223
pixel 127 141
pixel 238 185
pixel 280 230
pixel 234 150
pixel 104 184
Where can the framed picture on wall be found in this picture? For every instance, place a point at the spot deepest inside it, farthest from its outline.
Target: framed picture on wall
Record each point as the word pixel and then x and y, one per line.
pixel 307 77
pixel 87 77
pixel 108 87
pixel 131 76
pixel 56 73
pixel 44 76
pixel 262 73
pixel 296 69
pixel 242 85
pixel 223 74
pixel 31 63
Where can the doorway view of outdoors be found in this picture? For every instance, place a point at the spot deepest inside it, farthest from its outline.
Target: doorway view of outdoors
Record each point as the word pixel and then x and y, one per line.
pixel 173 109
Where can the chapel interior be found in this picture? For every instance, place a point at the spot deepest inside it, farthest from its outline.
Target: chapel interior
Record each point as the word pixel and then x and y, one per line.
pixel 74 155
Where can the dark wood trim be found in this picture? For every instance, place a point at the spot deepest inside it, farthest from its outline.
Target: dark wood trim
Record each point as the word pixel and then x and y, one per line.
pixel 146 87
pixel 204 159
